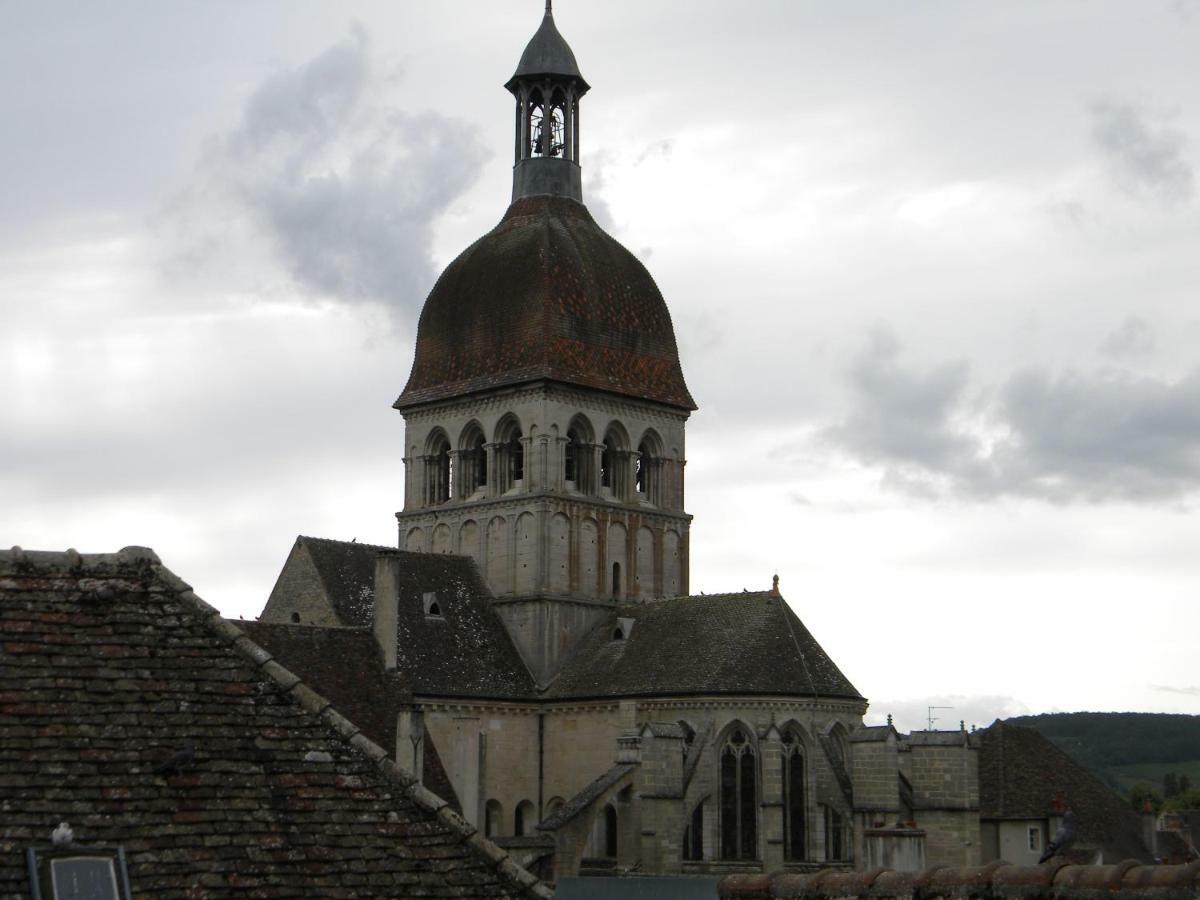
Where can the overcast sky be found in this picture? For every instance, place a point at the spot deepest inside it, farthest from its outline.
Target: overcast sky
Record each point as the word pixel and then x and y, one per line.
pixel 934 270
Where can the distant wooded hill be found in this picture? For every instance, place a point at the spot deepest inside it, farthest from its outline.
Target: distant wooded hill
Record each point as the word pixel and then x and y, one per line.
pixel 1125 748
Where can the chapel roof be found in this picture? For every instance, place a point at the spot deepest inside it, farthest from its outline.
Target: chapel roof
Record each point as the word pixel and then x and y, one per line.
pixel 1021 772
pixel 546 295
pixel 744 643
pixel 298 800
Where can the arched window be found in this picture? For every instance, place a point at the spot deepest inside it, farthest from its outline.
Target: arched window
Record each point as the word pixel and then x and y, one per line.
pixel 472 453
pixel 795 813
pixel 524 819
pixel 610 831
pixel 647 469
pixel 578 456
pixel 510 456
pixel 739 797
pixel 438 468
pixel 493 815
pixel 693 835
pixel 553 805
pixel 616 579
pixel 614 462
pixel 535 126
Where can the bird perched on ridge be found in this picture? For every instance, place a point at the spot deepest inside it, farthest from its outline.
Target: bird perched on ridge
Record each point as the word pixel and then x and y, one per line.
pixel 62 836
pixel 179 762
pixel 1064 837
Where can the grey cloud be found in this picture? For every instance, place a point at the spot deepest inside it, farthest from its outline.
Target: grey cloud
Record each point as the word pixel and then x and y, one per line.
pixel 903 417
pixel 342 188
pixel 595 180
pixel 1134 337
pixel 1146 157
pixel 1062 438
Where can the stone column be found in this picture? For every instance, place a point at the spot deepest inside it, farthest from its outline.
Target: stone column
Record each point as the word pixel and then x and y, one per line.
pixel 771 836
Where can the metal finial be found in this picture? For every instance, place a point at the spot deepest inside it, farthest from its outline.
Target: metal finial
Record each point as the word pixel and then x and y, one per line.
pixel 549 11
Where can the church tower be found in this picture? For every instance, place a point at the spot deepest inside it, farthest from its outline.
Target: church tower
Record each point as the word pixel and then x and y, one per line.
pixel 545 412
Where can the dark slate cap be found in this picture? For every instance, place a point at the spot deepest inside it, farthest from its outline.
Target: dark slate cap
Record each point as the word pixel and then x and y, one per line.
pixel 547 53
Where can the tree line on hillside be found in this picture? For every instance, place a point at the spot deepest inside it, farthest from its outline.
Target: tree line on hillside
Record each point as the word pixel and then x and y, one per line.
pixel 1101 740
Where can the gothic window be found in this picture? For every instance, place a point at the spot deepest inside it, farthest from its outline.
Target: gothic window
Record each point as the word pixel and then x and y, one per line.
pixel 571 461
pixel 739 797
pixel 439 472
pixel 795 814
pixel 610 831
pixel 693 835
pixel 535 126
pixel 835 834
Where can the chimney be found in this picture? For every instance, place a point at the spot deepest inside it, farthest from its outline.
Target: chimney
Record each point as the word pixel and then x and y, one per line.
pixel 386 608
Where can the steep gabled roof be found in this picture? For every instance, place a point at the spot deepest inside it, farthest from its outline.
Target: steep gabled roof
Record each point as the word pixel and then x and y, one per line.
pixel 1021 772
pixel 464 652
pixel 347 572
pixel 109 665
pixel 748 643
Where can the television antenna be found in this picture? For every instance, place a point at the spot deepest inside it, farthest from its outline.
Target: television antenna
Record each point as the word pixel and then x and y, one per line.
pixel 931 717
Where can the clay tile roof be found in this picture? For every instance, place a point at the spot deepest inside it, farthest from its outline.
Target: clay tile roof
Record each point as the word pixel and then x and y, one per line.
pixel 749 643
pixel 1020 774
pixel 109 665
pixel 546 295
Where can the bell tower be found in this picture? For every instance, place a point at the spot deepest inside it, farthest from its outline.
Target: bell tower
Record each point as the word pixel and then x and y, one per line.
pixel 545 412
pixel 547 86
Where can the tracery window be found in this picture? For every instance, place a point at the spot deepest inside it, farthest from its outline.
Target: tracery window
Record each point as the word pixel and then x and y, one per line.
pixel 739 797
pixel 795 815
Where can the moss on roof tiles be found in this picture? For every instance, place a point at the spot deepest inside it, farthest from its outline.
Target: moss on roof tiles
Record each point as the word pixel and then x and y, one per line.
pixel 748 643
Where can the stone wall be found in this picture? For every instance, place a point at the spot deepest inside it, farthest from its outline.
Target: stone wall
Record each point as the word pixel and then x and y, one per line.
pixel 298 592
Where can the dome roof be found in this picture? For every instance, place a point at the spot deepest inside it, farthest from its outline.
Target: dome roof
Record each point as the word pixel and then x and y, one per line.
pixel 547 53
pixel 546 294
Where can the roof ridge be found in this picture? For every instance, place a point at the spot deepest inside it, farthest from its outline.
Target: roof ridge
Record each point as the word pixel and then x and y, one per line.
pixel 354 543
pixel 290 684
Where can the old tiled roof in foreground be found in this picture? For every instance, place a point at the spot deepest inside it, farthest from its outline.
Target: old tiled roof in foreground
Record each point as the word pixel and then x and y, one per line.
pixel 1021 772
pixel 546 295
pixel 747 643
pixel 109 665
pixel 995 881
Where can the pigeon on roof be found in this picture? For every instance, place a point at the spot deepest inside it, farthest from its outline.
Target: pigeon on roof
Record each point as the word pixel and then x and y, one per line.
pixel 1064 837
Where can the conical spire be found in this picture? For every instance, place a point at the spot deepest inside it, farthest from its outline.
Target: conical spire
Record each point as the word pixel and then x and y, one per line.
pixel 547 53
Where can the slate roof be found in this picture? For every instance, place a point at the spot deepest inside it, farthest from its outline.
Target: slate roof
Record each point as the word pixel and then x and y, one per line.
pixel 547 53
pixel 109 664
pixel 748 643
pixel 546 295
pixel 1020 774
pixel 467 651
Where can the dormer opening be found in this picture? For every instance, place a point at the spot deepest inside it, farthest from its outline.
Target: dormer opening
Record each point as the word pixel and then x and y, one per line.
pixel 618 634
pixel 433 607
